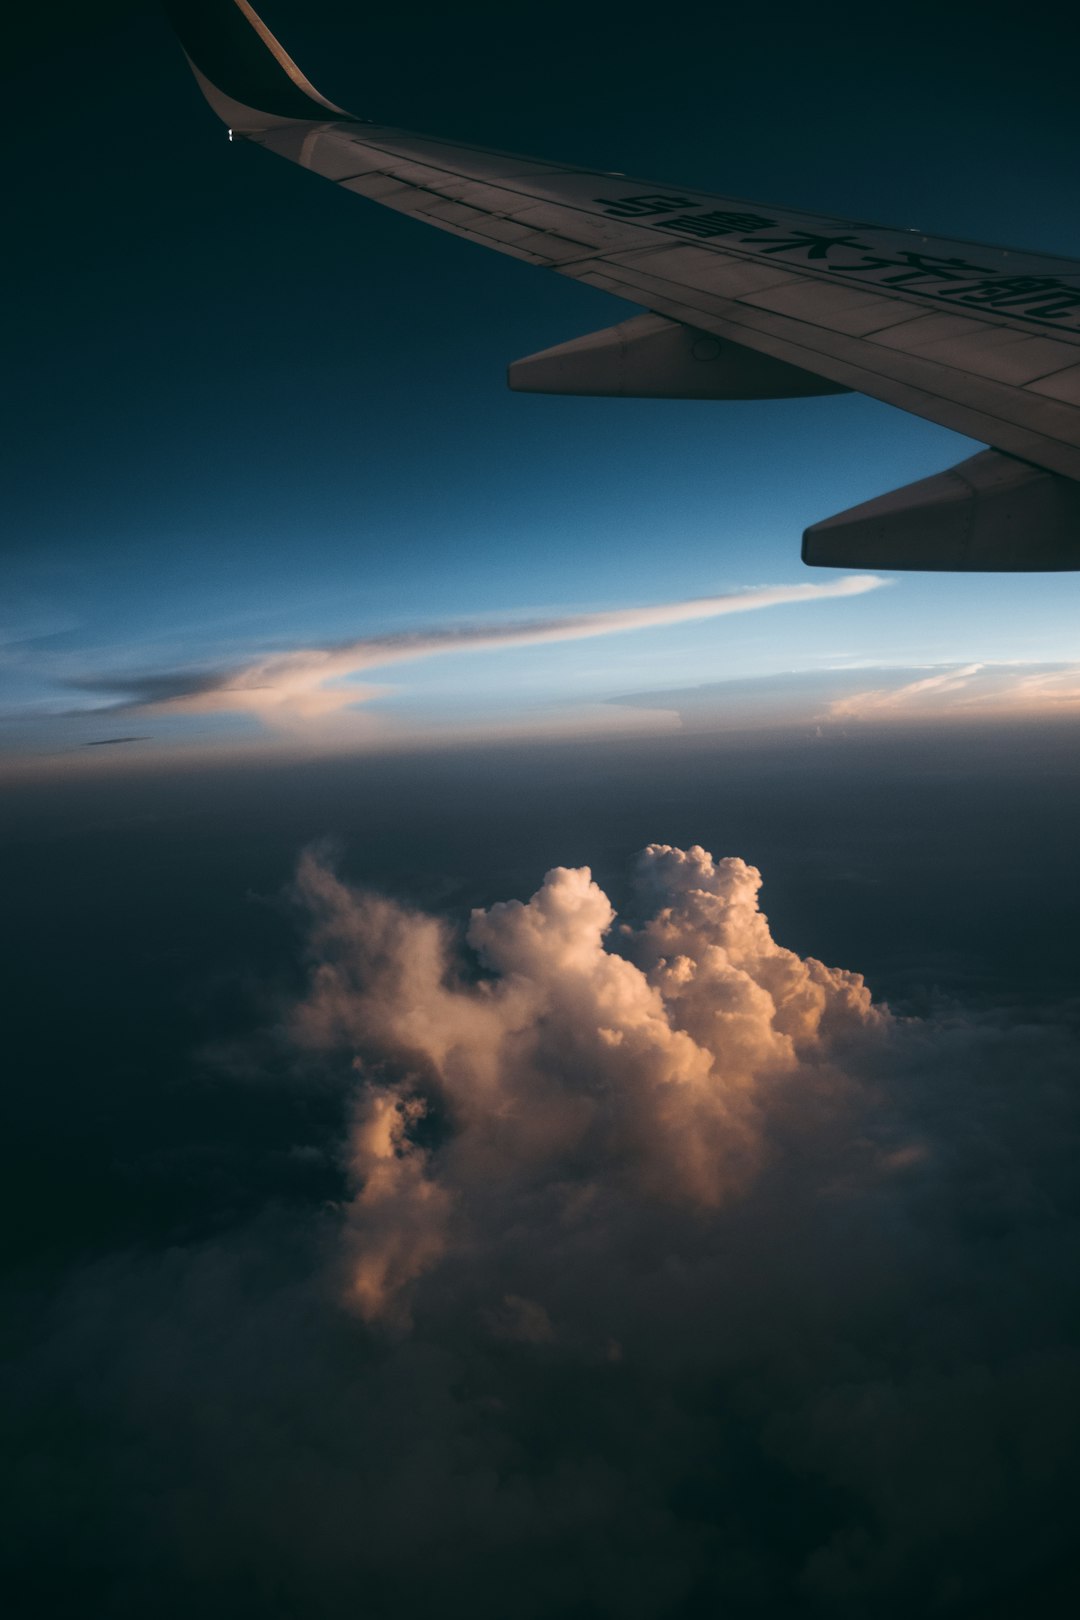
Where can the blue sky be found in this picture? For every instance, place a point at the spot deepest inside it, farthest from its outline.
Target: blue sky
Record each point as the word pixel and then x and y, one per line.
pixel 256 415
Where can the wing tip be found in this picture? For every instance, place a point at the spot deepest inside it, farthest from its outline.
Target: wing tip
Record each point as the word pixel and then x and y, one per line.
pixel 244 72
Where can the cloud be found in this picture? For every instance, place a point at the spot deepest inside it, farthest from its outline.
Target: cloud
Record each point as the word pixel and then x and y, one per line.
pixel 968 691
pixel 310 684
pixel 648 1065
pixel 677 1151
pixel 671 1275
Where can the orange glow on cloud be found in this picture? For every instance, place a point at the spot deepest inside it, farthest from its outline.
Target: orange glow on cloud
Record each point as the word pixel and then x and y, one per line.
pixel 311 684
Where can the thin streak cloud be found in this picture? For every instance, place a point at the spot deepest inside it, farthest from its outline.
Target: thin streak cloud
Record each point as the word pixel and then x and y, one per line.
pixel 309 684
pixel 969 691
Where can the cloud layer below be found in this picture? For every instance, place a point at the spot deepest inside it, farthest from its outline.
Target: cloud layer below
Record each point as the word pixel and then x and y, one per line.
pixel 671 1276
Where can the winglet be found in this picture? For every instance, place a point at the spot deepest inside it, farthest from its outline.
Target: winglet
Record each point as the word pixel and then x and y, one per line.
pixel 248 78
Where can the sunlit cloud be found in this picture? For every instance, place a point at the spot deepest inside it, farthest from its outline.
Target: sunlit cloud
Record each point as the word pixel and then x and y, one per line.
pixel 635 1069
pixel 968 691
pixel 619 1233
pixel 308 685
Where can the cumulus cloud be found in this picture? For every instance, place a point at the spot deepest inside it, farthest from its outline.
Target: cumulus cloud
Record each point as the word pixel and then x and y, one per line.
pixel 671 1276
pixel 630 1066
pixel 310 684
pixel 968 691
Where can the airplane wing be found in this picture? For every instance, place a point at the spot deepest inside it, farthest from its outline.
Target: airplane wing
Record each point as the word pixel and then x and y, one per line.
pixel 744 300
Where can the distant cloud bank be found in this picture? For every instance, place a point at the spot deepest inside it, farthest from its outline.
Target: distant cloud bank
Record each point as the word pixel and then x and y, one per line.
pixel 967 691
pixel 309 684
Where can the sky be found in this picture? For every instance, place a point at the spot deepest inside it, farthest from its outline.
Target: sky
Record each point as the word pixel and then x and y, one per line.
pixel 254 416
pixel 541 1035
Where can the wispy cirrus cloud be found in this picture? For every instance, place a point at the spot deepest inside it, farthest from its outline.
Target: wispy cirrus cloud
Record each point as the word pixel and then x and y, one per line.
pixel 967 691
pixel 306 685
